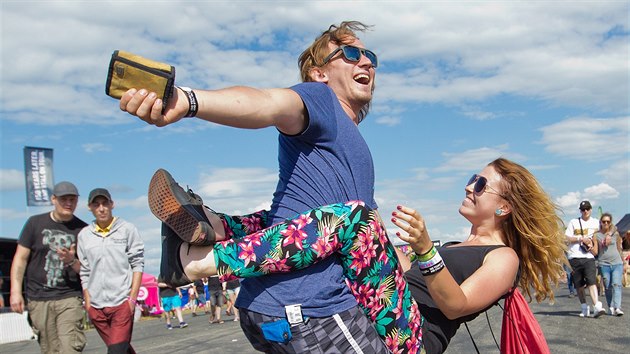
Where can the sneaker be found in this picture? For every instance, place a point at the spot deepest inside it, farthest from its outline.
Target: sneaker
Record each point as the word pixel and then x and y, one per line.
pixel 169 327
pixel 571 295
pixel 183 325
pixel 618 312
pixel 586 311
pixel 171 269
pixel 181 210
pixel 611 311
pixel 598 310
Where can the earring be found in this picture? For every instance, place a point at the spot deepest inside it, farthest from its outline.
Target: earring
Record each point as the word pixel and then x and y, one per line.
pixel 498 212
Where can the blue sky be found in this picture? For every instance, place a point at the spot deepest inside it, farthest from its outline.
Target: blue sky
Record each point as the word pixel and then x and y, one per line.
pixel 459 84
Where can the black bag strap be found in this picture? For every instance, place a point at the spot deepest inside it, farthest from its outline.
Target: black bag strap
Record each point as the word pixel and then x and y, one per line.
pixel 581 229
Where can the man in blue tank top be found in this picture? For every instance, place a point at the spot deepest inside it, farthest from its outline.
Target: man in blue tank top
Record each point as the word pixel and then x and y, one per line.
pixel 323 159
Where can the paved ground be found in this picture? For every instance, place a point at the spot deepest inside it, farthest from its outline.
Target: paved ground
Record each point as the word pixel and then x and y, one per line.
pixel 566 333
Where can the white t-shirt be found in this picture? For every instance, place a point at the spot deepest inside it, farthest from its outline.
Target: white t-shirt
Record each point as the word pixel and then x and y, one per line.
pixel 589 228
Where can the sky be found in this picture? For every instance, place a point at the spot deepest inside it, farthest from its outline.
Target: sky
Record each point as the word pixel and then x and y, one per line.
pixel 459 84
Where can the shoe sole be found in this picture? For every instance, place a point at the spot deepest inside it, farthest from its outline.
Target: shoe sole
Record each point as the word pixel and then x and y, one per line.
pixel 165 206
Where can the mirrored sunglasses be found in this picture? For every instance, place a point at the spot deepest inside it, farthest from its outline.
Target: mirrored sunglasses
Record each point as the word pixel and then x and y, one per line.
pixel 353 54
pixel 481 184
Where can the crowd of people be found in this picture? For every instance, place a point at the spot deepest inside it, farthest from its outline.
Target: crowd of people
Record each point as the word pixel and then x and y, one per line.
pixel 318 264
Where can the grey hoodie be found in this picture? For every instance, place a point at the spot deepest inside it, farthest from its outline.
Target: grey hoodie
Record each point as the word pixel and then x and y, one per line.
pixel 108 262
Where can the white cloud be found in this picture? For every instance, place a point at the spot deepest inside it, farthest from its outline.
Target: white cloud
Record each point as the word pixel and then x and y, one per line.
pixel 11 180
pixel 96 147
pixel 596 194
pixel 388 121
pixel 583 138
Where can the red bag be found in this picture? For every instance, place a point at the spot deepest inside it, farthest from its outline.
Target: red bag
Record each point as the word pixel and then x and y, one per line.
pixel 520 332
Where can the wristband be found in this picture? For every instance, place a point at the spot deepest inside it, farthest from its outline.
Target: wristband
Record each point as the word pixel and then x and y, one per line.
pixel 193 105
pixel 432 265
pixel 428 254
pixel 132 300
pixel 71 263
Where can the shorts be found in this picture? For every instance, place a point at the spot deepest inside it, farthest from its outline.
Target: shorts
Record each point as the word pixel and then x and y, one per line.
pixel 217 298
pixel 171 303
pixel 584 271
pixel 344 332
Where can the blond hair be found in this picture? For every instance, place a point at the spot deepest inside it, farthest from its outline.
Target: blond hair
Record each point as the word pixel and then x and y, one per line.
pixel 314 55
pixel 533 229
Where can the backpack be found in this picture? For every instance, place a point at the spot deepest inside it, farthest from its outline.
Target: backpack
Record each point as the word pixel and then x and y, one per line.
pixel 520 332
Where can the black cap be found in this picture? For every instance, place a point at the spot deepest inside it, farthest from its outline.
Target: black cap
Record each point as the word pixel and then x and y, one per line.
pixel 65 188
pixel 585 205
pixel 99 192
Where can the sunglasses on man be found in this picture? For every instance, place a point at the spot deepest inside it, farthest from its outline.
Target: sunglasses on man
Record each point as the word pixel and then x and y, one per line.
pixel 353 54
pixel 481 185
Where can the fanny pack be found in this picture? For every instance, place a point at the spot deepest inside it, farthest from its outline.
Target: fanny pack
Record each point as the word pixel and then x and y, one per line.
pixel 127 70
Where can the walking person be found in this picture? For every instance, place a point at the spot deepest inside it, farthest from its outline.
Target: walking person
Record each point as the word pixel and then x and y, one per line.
pixel 610 263
pixel 217 299
pixel 232 288
pixel 46 264
pixel 317 121
pixel 171 301
pixel 112 260
pixel 582 251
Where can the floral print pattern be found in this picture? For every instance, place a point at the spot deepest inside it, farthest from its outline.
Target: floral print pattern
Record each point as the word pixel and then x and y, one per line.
pixel 351 231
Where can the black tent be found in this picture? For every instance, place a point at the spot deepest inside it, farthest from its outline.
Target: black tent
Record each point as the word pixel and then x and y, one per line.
pixel 623 225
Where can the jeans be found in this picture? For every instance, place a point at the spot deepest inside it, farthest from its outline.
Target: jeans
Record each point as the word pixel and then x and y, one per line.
pixel 570 284
pixel 612 283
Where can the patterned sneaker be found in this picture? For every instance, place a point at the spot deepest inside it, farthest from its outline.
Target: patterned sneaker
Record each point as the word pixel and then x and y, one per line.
pixel 183 325
pixel 169 327
pixel 618 312
pixel 585 311
pixel 171 270
pixel 598 310
pixel 181 210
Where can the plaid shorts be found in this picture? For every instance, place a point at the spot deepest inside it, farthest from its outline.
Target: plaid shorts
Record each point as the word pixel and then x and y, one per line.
pixel 346 332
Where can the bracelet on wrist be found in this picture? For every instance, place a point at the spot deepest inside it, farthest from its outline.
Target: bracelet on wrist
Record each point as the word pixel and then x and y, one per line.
pixel 133 301
pixel 428 254
pixel 193 104
pixel 433 265
pixel 71 263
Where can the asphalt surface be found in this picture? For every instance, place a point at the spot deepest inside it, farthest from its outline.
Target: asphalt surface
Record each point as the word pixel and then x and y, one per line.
pixel 565 331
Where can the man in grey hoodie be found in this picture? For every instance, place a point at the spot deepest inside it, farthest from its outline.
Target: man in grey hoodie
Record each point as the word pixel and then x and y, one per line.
pixel 112 260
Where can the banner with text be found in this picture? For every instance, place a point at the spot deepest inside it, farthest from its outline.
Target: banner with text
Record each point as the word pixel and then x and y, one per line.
pixel 38 173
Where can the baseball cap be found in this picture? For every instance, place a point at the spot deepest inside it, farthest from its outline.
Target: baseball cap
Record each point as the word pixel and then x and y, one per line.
pixel 99 192
pixel 65 188
pixel 585 205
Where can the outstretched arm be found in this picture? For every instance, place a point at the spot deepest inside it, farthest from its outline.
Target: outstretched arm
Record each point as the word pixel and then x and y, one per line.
pixel 484 287
pixel 239 106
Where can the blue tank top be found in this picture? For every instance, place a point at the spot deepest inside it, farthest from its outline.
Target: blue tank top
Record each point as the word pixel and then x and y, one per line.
pixel 329 162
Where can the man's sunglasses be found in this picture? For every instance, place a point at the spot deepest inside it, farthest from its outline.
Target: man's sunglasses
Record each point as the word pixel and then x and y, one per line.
pixel 352 53
pixel 481 184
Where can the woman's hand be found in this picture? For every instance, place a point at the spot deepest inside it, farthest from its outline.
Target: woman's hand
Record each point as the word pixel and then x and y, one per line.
pixel 410 221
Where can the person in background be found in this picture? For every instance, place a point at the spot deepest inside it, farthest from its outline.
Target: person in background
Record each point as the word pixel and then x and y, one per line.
pixel 217 298
pixel 582 251
pixel 112 261
pixel 1 290
pixel 610 263
pixel 45 258
pixel 232 288
pixel 193 297
pixel 171 301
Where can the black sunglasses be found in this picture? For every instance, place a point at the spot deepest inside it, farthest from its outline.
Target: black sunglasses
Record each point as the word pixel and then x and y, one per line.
pixel 352 53
pixel 481 184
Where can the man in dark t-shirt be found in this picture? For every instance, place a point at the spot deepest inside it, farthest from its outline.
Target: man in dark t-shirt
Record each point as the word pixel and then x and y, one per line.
pixel 45 258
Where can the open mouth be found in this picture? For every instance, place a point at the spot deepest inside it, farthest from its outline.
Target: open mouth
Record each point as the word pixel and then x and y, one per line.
pixel 362 79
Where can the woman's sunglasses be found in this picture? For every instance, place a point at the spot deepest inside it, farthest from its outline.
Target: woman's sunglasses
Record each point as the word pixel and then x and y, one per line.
pixel 481 184
pixel 353 54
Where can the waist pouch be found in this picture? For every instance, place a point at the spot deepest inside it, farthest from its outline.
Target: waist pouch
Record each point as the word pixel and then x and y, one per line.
pixel 127 70
pixel 277 331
